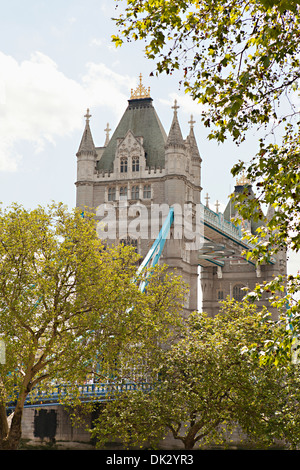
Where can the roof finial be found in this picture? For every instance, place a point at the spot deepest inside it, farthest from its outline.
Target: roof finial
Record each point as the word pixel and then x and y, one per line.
pixel 107 134
pixel 192 122
pixel 141 91
pixel 242 181
pixel 175 107
pixel 87 115
pixel 207 199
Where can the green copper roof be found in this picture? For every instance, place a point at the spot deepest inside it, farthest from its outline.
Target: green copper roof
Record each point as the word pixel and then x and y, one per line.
pixel 140 117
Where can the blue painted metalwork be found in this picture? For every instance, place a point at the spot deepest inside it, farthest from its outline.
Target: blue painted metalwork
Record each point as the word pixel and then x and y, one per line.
pixel 87 392
pixel 155 251
pixel 216 220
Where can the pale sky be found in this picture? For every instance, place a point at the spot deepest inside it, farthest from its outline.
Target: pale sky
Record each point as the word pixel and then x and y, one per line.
pixel 57 60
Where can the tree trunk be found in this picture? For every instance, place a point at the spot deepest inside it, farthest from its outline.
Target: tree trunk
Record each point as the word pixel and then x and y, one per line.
pixel 11 440
pixel 4 428
pixel 189 444
pixel 15 431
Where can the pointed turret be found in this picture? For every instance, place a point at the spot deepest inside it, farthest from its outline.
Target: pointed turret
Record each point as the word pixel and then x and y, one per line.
pixel 175 162
pixel 87 143
pixel 191 141
pixel 175 138
pixel 86 162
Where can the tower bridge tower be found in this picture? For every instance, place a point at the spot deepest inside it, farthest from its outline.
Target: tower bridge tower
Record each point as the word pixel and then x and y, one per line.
pixel 142 169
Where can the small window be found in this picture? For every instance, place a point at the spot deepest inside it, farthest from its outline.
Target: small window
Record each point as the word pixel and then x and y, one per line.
pixel 130 242
pixel 135 192
pixel 123 192
pixel 147 191
pixel 220 295
pixel 238 293
pixel 112 194
pixel 135 164
pixel 124 165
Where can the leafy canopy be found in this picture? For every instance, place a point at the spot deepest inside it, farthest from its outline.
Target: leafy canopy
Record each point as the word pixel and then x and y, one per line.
pixel 240 61
pixel 207 383
pixel 69 304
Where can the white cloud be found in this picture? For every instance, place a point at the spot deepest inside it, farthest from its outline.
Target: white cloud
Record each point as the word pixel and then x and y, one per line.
pixel 38 103
pixel 98 42
pixel 186 103
pixel 106 88
pixel 107 8
pixel 103 42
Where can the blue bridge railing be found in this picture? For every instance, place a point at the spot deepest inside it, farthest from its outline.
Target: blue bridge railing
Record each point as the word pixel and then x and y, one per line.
pixel 87 392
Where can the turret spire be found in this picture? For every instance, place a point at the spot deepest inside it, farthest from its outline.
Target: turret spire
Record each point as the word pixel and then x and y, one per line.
pixel 175 135
pixel 107 130
pixel 191 140
pixel 192 122
pixel 87 115
pixel 175 107
pixel 87 143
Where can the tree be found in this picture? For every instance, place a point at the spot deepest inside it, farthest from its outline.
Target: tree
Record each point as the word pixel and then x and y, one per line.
pixel 208 383
pixel 240 61
pixel 69 303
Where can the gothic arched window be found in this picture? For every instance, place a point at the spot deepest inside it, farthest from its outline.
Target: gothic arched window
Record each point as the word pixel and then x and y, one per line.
pixel 135 164
pixel 111 193
pixel 135 192
pixel 147 192
pixel 238 292
pixel 123 192
pixel 220 295
pixel 124 165
pixel 130 242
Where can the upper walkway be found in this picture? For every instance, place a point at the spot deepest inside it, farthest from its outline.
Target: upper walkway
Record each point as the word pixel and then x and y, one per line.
pixel 217 223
